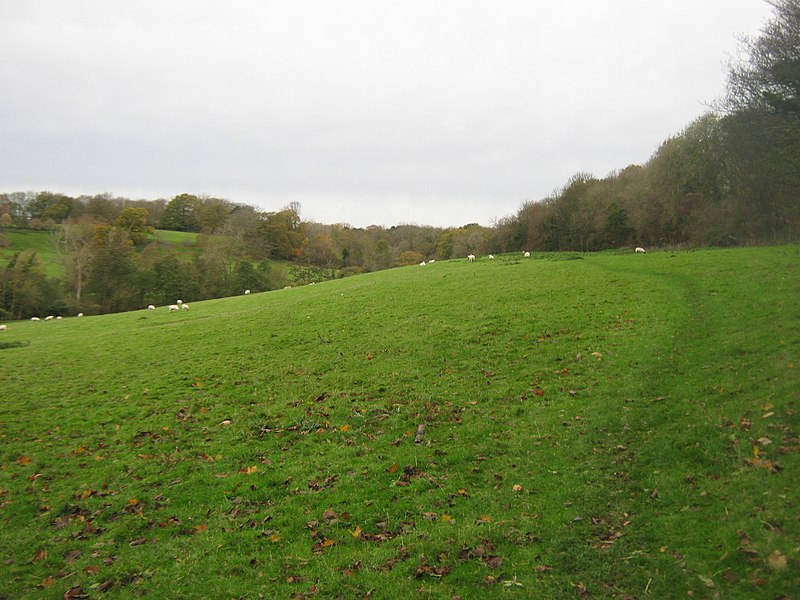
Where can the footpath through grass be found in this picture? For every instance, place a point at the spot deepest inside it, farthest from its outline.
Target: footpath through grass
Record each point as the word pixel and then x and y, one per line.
pixel 587 425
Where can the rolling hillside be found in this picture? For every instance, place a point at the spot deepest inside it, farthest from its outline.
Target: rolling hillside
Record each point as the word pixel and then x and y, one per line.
pixel 608 425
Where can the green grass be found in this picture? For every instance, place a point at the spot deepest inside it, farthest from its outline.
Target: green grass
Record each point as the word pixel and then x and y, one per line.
pixel 42 242
pixel 29 239
pixel 606 426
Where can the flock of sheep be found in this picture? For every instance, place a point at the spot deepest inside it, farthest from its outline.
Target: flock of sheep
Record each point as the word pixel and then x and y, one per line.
pixel 181 305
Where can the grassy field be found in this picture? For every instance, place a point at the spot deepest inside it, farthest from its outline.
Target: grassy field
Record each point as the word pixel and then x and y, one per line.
pixel 42 242
pixel 29 239
pixel 565 426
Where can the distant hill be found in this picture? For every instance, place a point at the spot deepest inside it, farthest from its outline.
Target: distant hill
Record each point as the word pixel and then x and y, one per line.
pixel 41 240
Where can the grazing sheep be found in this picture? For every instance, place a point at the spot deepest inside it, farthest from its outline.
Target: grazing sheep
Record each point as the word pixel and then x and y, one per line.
pixel 640 250
pixel 58 318
pixel 174 307
pixel 471 257
pixel 49 318
pixel 422 264
pixel 3 328
pixel 151 307
pixel 491 257
pixel 431 261
pixel 246 292
pixel 79 315
pixel 527 254
pixel 179 302
pixel 185 306
pixel 35 319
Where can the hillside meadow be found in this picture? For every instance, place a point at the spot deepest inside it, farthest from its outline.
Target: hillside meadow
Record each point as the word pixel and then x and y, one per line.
pixel 566 426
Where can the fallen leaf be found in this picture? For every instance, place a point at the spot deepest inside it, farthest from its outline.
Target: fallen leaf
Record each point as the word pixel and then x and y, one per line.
pixel 517 488
pixel 329 515
pixel 23 460
pixel 393 468
pixel 356 532
pixel 777 561
pixel 446 518
pixel 495 562
pixel 483 520
pixel 344 428
pixel 40 555
pixel 75 592
pixel 707 581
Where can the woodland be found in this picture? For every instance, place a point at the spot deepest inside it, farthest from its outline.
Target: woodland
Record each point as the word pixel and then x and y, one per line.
pixel 729 178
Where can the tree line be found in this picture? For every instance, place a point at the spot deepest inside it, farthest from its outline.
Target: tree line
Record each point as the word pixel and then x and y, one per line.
pixel 731 177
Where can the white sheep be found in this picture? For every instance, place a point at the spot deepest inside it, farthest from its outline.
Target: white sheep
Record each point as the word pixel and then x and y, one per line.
pixel 79 315
pixel 640 250
pixel 422 264
pixel 49 318
pixel 471 257
pixel 246 292
pixel 151 307
pixel 179 302
pixel 185 306
pixel 527 254
pixel 3 328
pixel 59 317
pixel 174 307
pixel 491 257
pixel 35 319
pixel 431 261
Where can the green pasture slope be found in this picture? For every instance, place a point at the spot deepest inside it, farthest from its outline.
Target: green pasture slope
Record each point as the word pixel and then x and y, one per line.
pixel 601 426
pixel 29 239
pixel 184 243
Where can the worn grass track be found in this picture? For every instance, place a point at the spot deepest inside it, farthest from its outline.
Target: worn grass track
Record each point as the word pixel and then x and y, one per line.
pixel 602 425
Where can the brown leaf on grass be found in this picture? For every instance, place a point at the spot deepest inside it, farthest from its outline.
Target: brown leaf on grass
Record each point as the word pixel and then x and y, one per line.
pixel 75 592
pixel 392 469
pixel 23 460
pixel 322 545
pixel 72 556
pixel 329 516
pixel 494 562
pixel 777 561
pixel 47 582
pixel 106 585
pixel 138 542
pixel 40 555
pixel 542 568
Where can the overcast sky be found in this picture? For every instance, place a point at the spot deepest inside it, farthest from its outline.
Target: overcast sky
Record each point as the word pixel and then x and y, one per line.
pixel 435 112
